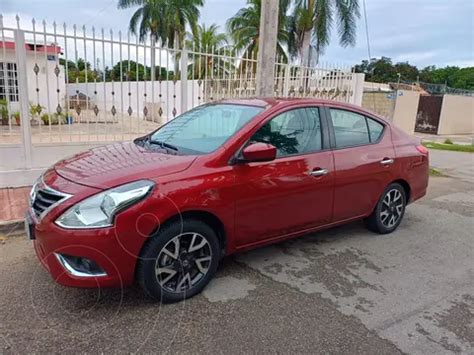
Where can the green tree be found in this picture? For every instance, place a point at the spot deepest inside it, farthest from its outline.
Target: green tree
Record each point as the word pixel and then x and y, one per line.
pixel 377 70
pixel 312 21
pixel 76 71
pixel 70 64
pixel 207 39
pixel 162 20
pixel 455 77
pixel 80 76
pixel 129 69
pixel 82 64
pixel 463 79
pixel 406 71
pixel 382 70
pixel 244 28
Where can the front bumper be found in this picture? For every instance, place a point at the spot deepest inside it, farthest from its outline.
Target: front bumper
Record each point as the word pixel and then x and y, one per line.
pixel 52 243
pixel 114 250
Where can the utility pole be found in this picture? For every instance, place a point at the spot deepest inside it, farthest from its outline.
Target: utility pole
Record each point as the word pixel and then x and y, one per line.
pixel 267 48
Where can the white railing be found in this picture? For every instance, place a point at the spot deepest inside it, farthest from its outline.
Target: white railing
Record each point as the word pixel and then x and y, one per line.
pixel 94 85
pixel 78 87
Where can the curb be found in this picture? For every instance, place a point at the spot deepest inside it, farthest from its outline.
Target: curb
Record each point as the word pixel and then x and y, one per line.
pixel 12 228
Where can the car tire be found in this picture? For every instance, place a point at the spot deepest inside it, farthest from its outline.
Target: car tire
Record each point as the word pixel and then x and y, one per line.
pixel 178 261
pixel 389 211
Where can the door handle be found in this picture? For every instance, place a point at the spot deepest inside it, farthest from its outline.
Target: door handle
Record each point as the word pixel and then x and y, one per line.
pixel 318 172
pixel 386 161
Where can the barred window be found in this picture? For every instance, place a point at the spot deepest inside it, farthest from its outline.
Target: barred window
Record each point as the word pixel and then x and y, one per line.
pixel 8 82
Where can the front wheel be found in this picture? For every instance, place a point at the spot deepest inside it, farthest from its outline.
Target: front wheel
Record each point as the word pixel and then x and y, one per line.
pixel 179 261
pixel 389 211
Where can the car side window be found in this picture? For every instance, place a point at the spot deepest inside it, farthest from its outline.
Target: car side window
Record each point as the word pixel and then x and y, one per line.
pixel 350 128
pixel 375 129
pixel 296 131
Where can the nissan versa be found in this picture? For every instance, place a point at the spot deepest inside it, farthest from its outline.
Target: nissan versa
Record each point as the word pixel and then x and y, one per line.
pixel 223 177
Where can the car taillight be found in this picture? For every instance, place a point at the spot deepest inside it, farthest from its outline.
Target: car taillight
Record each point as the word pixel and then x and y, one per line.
pixel 422 149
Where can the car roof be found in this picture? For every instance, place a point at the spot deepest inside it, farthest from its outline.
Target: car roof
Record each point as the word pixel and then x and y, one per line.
pixel 268 102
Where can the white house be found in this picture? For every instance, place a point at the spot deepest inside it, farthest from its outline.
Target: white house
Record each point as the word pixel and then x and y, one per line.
pixel 46 80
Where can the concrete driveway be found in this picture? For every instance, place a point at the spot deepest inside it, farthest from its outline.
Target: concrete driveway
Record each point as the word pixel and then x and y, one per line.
pixel 342 291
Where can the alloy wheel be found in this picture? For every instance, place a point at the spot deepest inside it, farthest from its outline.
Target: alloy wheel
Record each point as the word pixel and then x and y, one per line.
pixel 183 262
pixel 392 208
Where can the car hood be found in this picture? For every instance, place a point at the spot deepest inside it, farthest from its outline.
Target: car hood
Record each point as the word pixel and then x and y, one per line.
pixel 115 164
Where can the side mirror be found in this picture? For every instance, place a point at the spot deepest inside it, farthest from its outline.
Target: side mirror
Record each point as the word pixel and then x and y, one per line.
pixel 259 152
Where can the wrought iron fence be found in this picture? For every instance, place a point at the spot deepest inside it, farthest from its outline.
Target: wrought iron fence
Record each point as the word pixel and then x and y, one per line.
pixel 79 84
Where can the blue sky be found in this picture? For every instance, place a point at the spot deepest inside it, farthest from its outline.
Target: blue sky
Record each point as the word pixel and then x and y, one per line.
pixel 423 32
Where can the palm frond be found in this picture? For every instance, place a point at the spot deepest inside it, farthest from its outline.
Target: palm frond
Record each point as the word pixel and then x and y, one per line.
pixel 125 4
pixel 137 15
pixel 244 27
pixel 322 24
pixel 317 17
pixel 348 13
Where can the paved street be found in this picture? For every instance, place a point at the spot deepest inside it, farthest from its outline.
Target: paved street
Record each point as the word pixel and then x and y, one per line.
pixel 455 164
pixel 344 290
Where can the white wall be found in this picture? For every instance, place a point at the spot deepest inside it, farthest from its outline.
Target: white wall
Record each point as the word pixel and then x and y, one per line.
pixel 371 86
pixel 122 100
pixel 457 115
pixel 46 79
pixel 406 108
pixel 358 80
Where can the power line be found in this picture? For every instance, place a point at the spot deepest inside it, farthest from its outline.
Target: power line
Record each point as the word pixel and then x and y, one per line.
pixel 368 48
pixel 99 12
pixel 367 30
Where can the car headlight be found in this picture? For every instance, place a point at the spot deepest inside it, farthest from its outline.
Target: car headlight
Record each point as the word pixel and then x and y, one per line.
pixel 99 210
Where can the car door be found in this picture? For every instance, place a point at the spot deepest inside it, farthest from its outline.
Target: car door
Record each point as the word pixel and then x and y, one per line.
pixel 363 158
pixel 294 192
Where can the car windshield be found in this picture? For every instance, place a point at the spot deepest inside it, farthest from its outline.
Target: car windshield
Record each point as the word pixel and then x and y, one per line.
pixel 203 129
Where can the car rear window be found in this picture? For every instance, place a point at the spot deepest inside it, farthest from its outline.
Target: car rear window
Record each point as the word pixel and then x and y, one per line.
pixel 350 128
pixel 353 129
pixel 375 129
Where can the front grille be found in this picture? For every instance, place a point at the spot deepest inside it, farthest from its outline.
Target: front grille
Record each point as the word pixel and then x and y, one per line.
pixel 44 198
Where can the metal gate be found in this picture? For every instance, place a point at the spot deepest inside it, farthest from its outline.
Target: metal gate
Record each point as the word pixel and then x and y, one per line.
pixel 64 89
pixel 429 111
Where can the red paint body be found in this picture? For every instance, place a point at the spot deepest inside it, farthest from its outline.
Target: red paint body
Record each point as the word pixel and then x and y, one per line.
pixel 256 203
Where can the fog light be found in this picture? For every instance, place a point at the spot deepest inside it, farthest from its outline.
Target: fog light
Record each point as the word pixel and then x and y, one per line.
pixel 80 266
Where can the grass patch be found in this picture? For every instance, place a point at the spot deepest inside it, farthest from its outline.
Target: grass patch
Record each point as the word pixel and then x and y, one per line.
pixel 453 147
pixel 435 172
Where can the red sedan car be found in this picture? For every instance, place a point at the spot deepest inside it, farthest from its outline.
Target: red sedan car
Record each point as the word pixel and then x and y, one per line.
pixel 221 178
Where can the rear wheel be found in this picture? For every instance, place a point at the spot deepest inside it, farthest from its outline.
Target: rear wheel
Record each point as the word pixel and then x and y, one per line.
pixel 179 261
pixel 389 211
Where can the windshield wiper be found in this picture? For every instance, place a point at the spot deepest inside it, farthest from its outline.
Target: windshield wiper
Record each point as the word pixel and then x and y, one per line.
pixel 163 144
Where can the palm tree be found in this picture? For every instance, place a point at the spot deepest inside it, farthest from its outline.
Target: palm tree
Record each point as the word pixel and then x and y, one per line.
pixel 244 28
pixel 313 19
pixel 162 20
pixel 206 39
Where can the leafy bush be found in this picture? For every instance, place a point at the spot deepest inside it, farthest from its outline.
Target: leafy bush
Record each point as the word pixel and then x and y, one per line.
pixel 35 110
pixel 45 118
pixel 16 117
pixel 448 141
pixel 4 111
pixel 54 119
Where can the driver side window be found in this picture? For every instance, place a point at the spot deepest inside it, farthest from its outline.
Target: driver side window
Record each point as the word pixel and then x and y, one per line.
pixel 292 132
